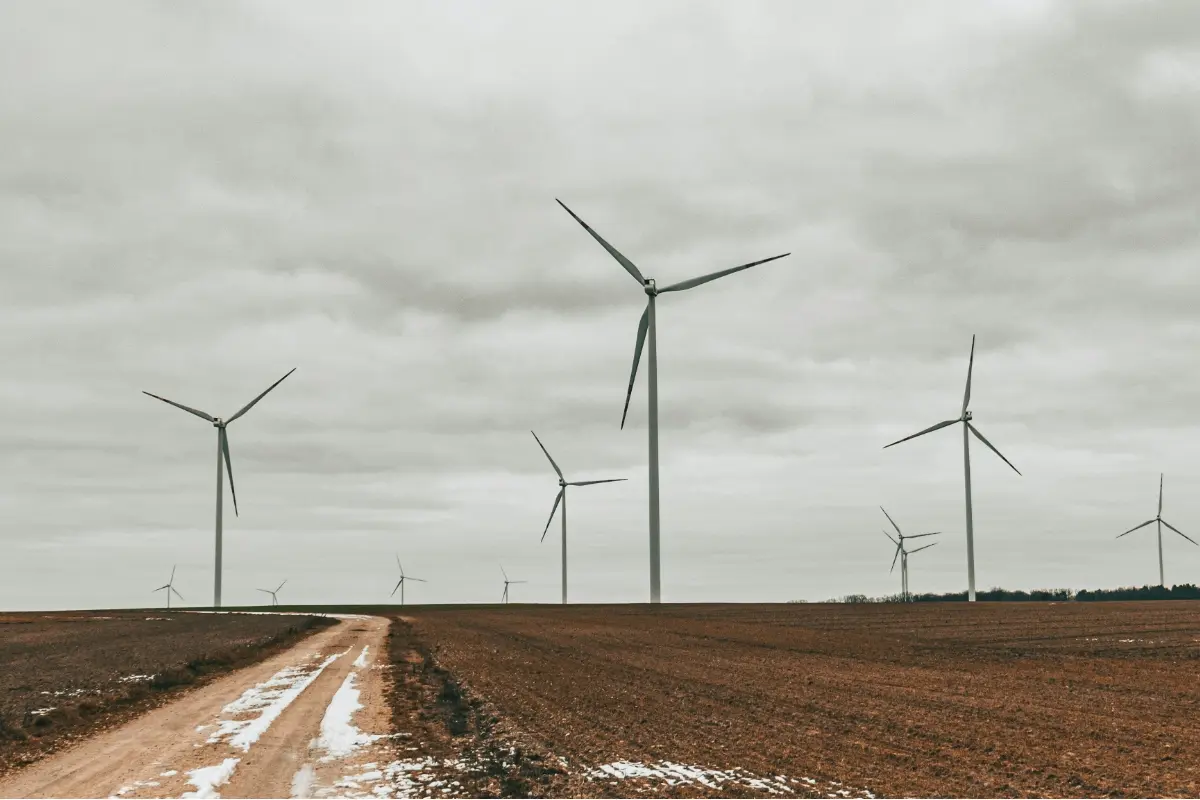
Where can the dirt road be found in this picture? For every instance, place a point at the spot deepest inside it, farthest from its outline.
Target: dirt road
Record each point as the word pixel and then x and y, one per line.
pixel 294 725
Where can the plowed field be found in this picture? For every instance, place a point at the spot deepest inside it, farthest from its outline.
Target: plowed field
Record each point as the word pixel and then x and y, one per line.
pixel 983 700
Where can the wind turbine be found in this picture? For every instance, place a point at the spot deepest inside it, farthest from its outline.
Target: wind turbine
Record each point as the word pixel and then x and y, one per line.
pixel 902 553
pixel 563 483
pixel 504 597
pixel 222 451
pixel 965 419
pixel 170 587
pixel 274 599
pixel 648 326
pixel 403 578
pixel 1158 518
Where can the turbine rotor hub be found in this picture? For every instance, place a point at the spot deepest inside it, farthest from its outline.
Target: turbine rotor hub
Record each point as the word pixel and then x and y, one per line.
pixel 649 287
pixel 218 423
pixel 967 416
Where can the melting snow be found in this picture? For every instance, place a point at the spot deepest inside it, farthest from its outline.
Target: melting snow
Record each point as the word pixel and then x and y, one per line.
pixel 361 661
pixel 41 712
pixel 207 779
pixel 339 738
pixel 168 773
pixel 136 678
pixel 302 781
pixel 272 696
pixel 124 790
pixel 676 774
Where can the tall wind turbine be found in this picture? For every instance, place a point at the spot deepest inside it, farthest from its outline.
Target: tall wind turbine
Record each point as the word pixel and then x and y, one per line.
pixel 222 451
pixel 504 597
pixel 403 578
pixel 903 553
pixel 274 599
pixel 170 587
pixel 965 419
pixel 1158 518
pixel 563 483
pixel 648 326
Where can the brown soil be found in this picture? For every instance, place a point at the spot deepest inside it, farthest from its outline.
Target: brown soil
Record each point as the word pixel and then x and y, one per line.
pixel 61 674
pixel 943 700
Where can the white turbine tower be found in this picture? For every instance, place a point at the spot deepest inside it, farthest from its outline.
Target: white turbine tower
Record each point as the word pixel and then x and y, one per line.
pixel 648 327
pixel 169 587
pixel 403 578
pixel 222 451
pixel 1158 518
pixel 563 483
pixel 965 419
pixel 902 553
pixel 504 597
pixel 274 599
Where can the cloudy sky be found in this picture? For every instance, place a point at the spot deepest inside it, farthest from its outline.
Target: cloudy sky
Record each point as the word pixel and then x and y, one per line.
pixel 195 198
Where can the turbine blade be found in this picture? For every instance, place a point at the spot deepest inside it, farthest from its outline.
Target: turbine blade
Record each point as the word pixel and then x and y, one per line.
pixel 280 586
pixel 265 591
pixel 919 535
pixel 1136 527
pixel 925 547
pixel 398 563
pixel 898 548
pixel 393 594
pixel 229 468
pixel 592 483
pixel 159 589
pixel 1181 533
pixel 547 452
pixel 518 581
pixel 712 276
pixel 505 574
pixel 177 594
pixel 188 409
pixel 172 574
pixel 890 539
pixel 922 433
pixel 612 251
pixel 1160 482
pixel 643 325
pixel 970 368
pixel 889 516
pixel 250 405
pixel 418 580
pixel 557 499
pixel 979 436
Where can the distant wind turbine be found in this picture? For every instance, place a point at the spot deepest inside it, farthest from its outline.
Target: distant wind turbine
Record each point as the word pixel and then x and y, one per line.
pixel 504 597
pixel 222 451
pixel 1158 518
pixel 965 419
pixel 648 326
pixel 169 587
pixel 274 599
pixel 563 483
pixel 403 578
pixel 902 553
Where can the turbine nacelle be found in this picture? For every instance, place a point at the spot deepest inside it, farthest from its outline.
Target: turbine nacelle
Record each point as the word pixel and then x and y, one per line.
pixel 649 287
pixel 967 416
pixel 218 422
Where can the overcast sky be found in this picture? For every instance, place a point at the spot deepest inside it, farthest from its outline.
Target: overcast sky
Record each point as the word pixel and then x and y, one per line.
pixel 195 198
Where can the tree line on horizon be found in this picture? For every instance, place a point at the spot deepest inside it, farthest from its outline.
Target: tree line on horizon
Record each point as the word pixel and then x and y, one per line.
pixel 1181 591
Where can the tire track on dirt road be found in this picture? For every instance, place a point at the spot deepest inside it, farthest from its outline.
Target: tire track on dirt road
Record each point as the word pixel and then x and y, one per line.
pixel 246 734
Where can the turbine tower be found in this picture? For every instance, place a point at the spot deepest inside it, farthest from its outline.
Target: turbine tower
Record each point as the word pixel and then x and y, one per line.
pixel 965 419
pixel 563 483
pixel 1158 518
pixel 170 587
pixel 222 451
pixel 648 326
pixel 403 578
pixel 504 597
pixel 903 553
pixel 274 599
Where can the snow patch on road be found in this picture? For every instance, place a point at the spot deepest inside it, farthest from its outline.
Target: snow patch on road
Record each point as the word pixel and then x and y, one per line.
pixel 339 738
pixel 683 774
pixel 272 696
pixel 207 779
pixel 302 781
pixel 361 661
pixel 124 790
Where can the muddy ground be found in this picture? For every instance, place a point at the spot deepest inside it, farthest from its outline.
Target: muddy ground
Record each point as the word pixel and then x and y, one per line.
pixel 63 676
pixel 983 700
